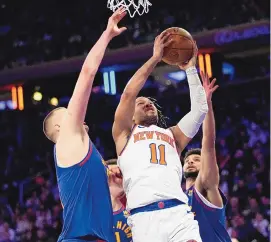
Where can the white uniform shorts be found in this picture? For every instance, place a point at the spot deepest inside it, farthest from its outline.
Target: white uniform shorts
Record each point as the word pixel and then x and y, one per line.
pixel 175 224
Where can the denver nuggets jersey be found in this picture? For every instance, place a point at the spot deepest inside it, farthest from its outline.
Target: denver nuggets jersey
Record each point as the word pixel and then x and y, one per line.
pixel 122 230
pixel 151 167
pixel 211 219
pixel 85 196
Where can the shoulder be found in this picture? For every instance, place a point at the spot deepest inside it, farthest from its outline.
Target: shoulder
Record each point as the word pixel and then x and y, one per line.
pixel 73 150
pixel 207 204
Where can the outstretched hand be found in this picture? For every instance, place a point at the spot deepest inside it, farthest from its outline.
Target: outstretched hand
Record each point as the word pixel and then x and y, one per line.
pixel 209 88
pixel 112 25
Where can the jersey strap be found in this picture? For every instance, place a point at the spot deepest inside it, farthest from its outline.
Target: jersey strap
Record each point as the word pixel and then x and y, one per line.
pixel 157 206
pixel 128 139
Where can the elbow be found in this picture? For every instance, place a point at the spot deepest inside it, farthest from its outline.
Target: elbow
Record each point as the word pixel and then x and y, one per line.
pixel 127 94
pixel 89 71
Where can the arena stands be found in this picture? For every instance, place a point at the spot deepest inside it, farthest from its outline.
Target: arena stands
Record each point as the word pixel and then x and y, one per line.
pixel 30 209
pixel 52 30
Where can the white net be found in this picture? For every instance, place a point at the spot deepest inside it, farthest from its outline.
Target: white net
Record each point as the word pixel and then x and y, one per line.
pixel 133 7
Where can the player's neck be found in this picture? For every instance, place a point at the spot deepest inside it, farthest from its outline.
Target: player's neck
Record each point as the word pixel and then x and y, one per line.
pixel 145 124
pixel 189 182
pixel 116 204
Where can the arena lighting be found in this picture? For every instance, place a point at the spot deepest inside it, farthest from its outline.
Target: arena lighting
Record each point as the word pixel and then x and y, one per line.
pixel 228 69
pixel 201 63
pixel 229 36
pixel 205 64
pixel 20 98
pixel 110 82
pixel 37 96
pixel 208 65
pixel 9 104
pixel 120 67
pixel 14 97
pixel 177 76
pixel 17 98
pixel 106 82
pixel 2 105
pixel 113 82
pixel 54 101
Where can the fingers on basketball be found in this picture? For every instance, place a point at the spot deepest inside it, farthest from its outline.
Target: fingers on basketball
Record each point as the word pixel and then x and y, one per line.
pixel 166 40
pixel 162 35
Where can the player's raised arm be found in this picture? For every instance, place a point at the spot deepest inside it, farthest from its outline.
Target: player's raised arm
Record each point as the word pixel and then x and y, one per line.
pixel 78 104
pixel 208 179
pixel 189 125
pixel 124 114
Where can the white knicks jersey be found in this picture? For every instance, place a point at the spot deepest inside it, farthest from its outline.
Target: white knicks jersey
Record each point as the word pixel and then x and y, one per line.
pixel 151 167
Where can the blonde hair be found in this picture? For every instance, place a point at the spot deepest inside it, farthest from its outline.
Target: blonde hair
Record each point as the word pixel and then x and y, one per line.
pixel 47 130
pixel 111 162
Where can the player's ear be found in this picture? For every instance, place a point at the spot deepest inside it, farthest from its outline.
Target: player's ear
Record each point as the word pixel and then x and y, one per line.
pixel 57 127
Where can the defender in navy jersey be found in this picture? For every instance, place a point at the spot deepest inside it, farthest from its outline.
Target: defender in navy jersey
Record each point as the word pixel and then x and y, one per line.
pixel 207 202
pixel 122 230
pixel 81 172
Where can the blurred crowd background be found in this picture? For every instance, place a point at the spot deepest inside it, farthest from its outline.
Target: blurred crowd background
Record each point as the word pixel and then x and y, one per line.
pixel 32 32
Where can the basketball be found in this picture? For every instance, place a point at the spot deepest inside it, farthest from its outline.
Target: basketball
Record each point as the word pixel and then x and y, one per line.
pixel 181 49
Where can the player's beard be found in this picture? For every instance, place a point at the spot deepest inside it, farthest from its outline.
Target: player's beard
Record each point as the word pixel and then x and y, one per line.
pixel 191 174
pixel 150 120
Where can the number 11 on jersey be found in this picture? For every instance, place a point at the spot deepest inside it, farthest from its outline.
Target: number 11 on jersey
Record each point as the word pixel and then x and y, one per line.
pixel 162 154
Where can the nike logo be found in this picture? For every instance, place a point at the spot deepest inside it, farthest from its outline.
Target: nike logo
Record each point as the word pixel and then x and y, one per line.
pixel 139 126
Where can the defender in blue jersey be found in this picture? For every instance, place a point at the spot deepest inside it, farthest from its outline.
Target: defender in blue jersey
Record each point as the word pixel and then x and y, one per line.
pixel 80 170
pixel 122 230
pixel 202 179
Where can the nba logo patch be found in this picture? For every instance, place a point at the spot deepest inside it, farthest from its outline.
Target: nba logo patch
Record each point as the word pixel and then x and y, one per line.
pixel 190 193
pixel 126 213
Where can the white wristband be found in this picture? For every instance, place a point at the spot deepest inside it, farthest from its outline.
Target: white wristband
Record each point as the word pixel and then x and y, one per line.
pixel 191 70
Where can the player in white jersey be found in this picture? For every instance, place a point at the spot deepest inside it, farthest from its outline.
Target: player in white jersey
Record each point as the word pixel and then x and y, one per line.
pixel 149 157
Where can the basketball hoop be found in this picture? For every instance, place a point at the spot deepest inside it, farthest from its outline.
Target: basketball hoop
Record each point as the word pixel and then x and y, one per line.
pixel 141 7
